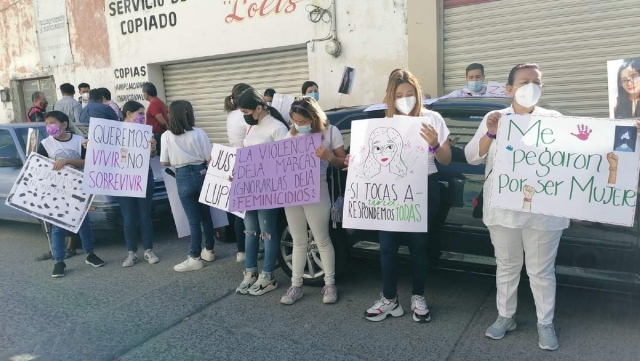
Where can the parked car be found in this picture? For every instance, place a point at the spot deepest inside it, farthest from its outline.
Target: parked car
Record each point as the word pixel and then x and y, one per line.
pixel 104 211
pixel 590 255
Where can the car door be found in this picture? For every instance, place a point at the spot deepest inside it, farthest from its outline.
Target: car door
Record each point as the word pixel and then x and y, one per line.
pixel 11 162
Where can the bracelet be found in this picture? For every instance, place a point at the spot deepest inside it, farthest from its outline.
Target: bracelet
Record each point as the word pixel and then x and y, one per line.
pixel 433 150
pixel 527 200
pixel 492 136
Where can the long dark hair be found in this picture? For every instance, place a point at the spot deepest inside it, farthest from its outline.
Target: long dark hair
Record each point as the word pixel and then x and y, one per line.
pixel 181 117
pixel 624 107
pixel 231 100
pixel 251 99
pixel 131 106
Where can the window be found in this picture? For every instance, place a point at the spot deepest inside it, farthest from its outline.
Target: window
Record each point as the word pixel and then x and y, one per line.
pixel 30 138
pixel 45 85
pixel 9 156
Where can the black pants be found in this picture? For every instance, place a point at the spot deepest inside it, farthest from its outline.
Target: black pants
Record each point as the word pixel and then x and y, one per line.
pixel 390 243
pixel 157 137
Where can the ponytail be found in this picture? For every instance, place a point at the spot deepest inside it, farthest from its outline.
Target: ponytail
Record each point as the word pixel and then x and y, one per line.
pixel 231 101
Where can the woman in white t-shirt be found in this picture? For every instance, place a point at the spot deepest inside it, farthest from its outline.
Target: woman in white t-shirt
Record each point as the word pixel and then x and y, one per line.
pixel 265 125
pixel 308 118
pixel 188 149
pixel 403 95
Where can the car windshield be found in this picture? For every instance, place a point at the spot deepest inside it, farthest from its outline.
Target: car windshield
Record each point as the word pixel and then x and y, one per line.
pixel 31 137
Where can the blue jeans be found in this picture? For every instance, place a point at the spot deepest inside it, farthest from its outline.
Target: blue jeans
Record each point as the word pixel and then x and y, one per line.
pixel 58 235
pixel 189 180
pixel 390 243
pixel 261 224
pixel 136 216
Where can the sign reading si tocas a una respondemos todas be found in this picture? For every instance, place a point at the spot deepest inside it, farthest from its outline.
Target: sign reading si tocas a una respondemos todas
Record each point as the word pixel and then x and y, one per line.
pixel 117 160
pixel 276 174
pixel 580 168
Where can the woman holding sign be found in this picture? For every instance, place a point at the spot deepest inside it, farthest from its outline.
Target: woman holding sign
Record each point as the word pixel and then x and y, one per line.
pixel 188 149
pixel 308 118
pixel 514 233
pixel 403 98
pixel 265 125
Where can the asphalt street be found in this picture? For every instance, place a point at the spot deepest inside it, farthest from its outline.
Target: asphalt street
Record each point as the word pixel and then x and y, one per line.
pixel 150 312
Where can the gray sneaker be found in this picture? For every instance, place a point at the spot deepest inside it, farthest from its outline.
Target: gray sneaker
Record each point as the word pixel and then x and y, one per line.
pixel 293 294
pixel 547 337
pixel 500 328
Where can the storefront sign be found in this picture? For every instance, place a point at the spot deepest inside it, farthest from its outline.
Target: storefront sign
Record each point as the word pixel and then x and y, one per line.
pixel 53 33
pixel 387 179
pixel 148 22
pixel 588 166
pixel 117 162
pixel 217 184
pixel 243 9
pixel 276 174
pixel 129 82
pixel 53 196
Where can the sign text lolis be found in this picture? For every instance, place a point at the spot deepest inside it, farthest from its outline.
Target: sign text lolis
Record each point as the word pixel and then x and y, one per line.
pixel 117 161
pixel 587 165
pixel 243 9
pixel 276 174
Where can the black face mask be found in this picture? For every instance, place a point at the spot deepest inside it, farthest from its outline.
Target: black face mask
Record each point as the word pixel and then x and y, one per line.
pixel 249 119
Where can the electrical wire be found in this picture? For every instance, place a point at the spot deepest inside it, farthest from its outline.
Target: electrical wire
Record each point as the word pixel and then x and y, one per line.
pixel 318 13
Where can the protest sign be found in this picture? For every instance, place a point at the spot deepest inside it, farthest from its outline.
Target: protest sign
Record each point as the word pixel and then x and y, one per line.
pixel 117 162
pixel 387 180
pixel 217 184
pixel 581 168
pixel 282 103
pixel 277 174
pixel 495 89
pixel 178 213
pixel 624 88
pixel 52 196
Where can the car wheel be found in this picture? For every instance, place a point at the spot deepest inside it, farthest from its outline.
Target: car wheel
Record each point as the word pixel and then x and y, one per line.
pixel 313 271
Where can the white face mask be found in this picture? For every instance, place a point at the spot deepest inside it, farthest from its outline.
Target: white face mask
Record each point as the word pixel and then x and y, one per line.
pixel 528 95
pixel 85 96
pixel 406 105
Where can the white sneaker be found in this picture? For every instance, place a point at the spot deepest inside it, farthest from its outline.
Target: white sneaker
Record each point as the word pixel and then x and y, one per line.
pixel 420 309
pixel 191 264
pixel 266 283
pixel 207 255
pixel 131 260
pixel 249 279
pixel 330 293
pixel 150 257
pixel 293 294
pixel 383 308
pixel 240 257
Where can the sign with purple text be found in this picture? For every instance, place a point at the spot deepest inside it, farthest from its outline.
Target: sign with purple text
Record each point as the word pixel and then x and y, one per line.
pixel 277 174
pixel 216 190
pixel 117 161
pixel 588 166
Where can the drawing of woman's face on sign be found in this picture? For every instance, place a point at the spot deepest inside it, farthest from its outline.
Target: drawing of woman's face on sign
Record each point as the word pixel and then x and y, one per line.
pixel 385 152
pixel 624 88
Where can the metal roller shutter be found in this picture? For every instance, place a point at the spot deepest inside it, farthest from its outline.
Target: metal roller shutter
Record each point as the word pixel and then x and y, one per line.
pixel 571 40
pixel 206 83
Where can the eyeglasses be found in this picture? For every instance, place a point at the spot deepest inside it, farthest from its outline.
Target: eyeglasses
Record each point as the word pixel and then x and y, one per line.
pixel 634 79
pixel 377 149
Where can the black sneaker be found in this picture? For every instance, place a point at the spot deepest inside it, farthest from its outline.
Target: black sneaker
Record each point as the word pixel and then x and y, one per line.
pixel 58 270
pixel 94 260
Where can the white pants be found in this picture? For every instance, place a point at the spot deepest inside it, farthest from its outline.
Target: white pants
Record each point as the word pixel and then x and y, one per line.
pixel 540 249
pixel 318 216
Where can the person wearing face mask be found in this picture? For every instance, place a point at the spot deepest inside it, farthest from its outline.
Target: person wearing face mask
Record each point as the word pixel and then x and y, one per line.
pixel 268 96
pixel 136 212
pixel 514 232
pixel 266 125
pixel 65 149
pixel 475 83
pixel 308 118
pixel 84 90
pixel 403 94
pixel 38 108
pixel 310 89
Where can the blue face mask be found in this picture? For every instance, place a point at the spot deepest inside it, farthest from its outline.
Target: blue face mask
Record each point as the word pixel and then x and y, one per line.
pixel 303 129
pixel 314 95
pixel 474 86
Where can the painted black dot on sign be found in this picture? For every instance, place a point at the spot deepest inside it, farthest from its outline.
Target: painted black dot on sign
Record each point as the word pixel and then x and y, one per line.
pixel 25 202
pixel 55 199
pixel 53 185
pixel 67 212
pixel 32 205
pixel 39 206
pixel 50 214
pixel 57 207
pixel 77 209
pixel 73 220
pixel 29 174
pixel 22 194
pixel 46 206
pixel 60 215
pixel 79 182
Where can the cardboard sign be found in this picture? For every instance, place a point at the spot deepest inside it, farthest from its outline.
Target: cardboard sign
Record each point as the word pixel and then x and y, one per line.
pixel 581 168
pixel 387 180
pixel 277 174
pixel 52 196
pixel 624 85
pixel 216 190
pixel 117 162
pixel 495 89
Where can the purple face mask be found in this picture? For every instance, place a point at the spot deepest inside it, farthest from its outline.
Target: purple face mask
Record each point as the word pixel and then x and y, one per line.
pixel 54 130
pixel 140 119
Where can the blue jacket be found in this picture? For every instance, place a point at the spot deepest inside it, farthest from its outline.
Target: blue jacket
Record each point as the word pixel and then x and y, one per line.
pixel 95 109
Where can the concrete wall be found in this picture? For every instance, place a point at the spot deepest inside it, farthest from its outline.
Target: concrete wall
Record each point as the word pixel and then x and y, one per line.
pixel 425 33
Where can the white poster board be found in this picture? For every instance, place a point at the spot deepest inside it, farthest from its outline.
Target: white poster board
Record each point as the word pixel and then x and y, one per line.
pixel 387 180
pixel 53 33
pixel 624 82
pixel 179 216
pixel 52 196
pixel 580 168
pixel 216 189
pixel 117 162
pixel 282 103
pixel 495 89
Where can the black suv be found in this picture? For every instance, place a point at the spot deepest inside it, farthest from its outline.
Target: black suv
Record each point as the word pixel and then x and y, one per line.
pixel 591 255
